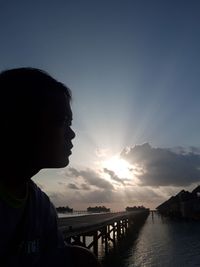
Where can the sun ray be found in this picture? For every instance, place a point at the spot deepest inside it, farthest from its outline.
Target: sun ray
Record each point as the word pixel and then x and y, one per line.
pixel 119 166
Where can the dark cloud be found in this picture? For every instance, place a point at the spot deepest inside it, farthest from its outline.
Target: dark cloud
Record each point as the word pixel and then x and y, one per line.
pixel 67 197
pixel 73 186
pixel 91 177
pixel 195 150
pixel 140 194
pixel 185 150
pixel 129 196
pixel 98 196
pixel 164 167
pixel 113 176
pixel 61 183
pixel 85 187
pixel 94 196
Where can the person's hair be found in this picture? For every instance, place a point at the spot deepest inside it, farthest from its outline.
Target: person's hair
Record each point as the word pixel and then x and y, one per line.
pixel 24 94
pixel 28 91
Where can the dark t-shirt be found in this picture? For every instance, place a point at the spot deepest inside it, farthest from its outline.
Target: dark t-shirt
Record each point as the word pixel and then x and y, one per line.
pixel 29 234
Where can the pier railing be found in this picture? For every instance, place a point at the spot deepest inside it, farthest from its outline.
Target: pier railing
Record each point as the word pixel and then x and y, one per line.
pixel 107 227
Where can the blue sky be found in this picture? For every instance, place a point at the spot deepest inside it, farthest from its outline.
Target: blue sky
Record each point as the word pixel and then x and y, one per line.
pixel 133 68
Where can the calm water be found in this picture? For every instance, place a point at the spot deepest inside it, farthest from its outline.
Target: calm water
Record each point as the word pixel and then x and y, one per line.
pixel 75 214
pixel 160 242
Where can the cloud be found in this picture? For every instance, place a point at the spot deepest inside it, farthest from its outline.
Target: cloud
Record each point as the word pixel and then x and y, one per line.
pixel 164 167
pixel 98 191
pixel 73 186
pixel 61 183
pixel 101 152
pixel 98 196
pixel 142 194
pixel 85 187
pixel 115 199
pixel 185 150
pixel 87 198
pixel 81 186
pixel 195 150
pixel 113 176
pixel 91 178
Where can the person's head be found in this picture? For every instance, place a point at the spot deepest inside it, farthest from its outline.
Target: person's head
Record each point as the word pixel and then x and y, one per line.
pixel 35 118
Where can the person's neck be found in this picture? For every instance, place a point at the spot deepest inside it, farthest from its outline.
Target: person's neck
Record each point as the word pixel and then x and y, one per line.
pixel 15 182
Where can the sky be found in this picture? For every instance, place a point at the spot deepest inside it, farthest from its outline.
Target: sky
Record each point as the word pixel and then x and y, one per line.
pixel 134 71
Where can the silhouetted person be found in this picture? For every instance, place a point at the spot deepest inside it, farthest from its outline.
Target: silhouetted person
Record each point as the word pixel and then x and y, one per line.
pixel 35 120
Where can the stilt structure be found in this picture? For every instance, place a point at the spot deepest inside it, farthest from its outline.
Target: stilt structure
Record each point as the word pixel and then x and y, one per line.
pixel 110 227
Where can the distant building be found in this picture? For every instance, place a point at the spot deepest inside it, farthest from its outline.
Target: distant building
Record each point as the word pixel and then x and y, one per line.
pixel 184 205
pixel 64 209
pixel 98 209
pixel 135 208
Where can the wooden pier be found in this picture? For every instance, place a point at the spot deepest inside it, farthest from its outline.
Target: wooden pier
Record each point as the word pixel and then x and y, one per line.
pixel 109 227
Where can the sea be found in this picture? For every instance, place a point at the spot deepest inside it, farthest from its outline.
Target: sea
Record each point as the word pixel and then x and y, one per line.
pixel 161 242
pixel 75 214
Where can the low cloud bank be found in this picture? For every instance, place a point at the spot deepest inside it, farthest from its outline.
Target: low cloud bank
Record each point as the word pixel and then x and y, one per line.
pixel 158 173
pixel 163 166
pixel 90 177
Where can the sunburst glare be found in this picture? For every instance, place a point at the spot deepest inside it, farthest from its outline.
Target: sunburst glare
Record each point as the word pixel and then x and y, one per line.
pixel 119 166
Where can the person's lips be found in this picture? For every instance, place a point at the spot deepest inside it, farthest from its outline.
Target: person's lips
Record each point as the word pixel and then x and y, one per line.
pixel 69 148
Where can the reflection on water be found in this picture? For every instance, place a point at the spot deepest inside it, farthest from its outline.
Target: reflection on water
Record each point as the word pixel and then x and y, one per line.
pixel 160 242
pixel 75 214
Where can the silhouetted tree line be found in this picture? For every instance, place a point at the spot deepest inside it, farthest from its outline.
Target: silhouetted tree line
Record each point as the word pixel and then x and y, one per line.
pixel 64 209
pixel 98 209
pixel 135 208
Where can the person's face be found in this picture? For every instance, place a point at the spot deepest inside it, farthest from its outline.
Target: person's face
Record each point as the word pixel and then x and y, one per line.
pixel 56 142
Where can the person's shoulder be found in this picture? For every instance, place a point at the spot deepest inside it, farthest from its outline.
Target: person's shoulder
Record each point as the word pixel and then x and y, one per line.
pixel 37 192
pixel 41 199
pixel 46 214
pixel 82 257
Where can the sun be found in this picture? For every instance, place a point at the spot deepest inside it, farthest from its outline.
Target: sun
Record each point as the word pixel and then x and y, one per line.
pixel 120 166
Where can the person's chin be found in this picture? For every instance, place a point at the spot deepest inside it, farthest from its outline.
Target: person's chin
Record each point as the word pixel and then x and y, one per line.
pixel 64 162
pixel 61 163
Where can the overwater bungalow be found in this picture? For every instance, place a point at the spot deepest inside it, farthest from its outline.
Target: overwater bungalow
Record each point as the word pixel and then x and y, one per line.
pixel 184 205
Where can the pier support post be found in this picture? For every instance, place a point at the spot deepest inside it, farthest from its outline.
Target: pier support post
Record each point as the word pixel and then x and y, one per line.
pixel 126 225
pixel 84 240
pixel 95 245
pixel 122 227
pixel 109 231
pixel 113 225
pixel 102 236
pixel 118 230
pixel 106 240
